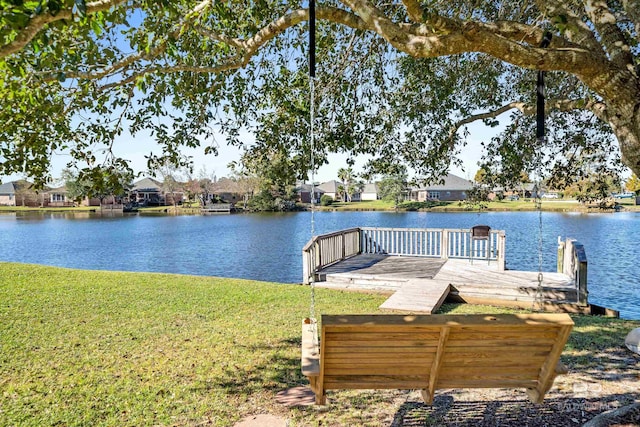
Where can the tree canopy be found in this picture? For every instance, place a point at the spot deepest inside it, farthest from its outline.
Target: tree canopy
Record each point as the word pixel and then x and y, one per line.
pixel 400 80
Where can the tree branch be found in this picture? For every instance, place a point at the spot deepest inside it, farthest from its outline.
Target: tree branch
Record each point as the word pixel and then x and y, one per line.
pixel 38 22
pixel 573 27
pixel 595 107
pixel 174 69
pixel 249 47
pixel 147 56
pixel 413 10
pixel 632 8
pixel 612 37
pixel 522 106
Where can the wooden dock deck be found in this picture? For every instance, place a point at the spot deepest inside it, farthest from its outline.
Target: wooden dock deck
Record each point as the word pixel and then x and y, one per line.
pixel 421 268
pixel 217 208
pixel 422 284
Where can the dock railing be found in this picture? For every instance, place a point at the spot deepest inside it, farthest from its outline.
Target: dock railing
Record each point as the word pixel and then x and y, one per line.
pixel 572 261
pixel 327 249
pixel 217 207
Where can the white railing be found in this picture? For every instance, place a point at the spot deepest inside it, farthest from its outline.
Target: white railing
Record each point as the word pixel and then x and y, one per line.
pixel 402 241
pixel 436 243
pixel 328 249
pixel 217 207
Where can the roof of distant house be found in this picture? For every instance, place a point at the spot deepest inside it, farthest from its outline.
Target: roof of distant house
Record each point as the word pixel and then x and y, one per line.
pixel 371 187
pixel 302 187
pixel 147 184
pixel 226 185
pixel 330 186
pixel 8 188
pixel 62 189
pixel 451 182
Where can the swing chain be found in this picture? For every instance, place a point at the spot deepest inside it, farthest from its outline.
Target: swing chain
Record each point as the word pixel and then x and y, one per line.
pixel 312 308
pixel 537 301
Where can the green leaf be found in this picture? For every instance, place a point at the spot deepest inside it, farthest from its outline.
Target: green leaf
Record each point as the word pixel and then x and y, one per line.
pixel 96 27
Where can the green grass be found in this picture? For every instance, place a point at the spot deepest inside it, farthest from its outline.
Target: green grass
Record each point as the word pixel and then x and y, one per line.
pixel 108 348
pixel 47 209
pixel 503 205
pixel 529 204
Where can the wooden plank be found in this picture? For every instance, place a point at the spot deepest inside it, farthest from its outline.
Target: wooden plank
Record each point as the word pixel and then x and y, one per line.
pixel 383 369
pixel 374 382
pixel 418 295
pixel 404 355
pixel 377 362
pixel 548 371
pixel 546 334
pixel 319 390
pixel 483 383
pixel 470 359
pixel 369 335
pixel 355 322
pixel 472 354
pixel 310 348
pixel 397 328
pixel 498 371
pixel 342 352
pixel 435 367
pixel 371 344
pixel 498 343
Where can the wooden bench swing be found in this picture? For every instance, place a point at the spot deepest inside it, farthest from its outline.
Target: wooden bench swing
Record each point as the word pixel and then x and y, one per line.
pixel 431 352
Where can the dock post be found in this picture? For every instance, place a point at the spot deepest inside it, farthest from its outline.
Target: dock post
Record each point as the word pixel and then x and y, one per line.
pixel 305 267
pixel 444 244
pixel 560 261
pixel 581 273
pixel 502 246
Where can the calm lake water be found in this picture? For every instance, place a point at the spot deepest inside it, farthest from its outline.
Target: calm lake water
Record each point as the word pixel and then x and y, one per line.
pixel 268 246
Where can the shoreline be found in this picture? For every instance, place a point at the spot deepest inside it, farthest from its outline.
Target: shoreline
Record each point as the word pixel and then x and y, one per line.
pixel 564 206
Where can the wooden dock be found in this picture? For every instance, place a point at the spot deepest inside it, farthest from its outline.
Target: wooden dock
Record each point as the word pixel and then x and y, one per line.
pixel 453 268
pixel 423 284
pixel 217 208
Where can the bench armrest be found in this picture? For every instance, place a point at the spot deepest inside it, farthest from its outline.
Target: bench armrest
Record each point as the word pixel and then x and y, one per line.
pixel 310 348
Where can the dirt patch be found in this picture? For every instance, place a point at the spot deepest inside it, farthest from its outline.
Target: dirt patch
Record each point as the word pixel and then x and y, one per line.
pixel 262 420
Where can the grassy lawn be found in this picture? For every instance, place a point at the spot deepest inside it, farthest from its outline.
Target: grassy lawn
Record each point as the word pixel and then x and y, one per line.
pixel 107 348
pixel 32 209
pixel 504 205
pixel 364 205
